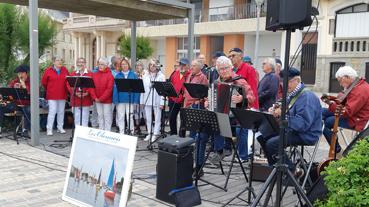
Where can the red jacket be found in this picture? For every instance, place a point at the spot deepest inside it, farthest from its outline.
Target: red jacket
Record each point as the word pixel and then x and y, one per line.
pixel 249 73
pixel 21 102
pixel 75 100
pixel 178 85
pixel 55 85
pixel 199 78
pixel 104 82
pixel 356 109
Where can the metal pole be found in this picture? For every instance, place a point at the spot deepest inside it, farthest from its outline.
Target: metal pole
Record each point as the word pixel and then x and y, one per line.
pixel 256 55
pixel 133 44
pixel 191 28
pixel 34 73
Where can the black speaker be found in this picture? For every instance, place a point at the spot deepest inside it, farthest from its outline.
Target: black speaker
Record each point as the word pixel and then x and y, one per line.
pixel 173 171
pixel 288 14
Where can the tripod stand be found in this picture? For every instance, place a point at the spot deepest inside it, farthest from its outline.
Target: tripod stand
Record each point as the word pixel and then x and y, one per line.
pixel 130 86
pixel 280 168
pixel 79 83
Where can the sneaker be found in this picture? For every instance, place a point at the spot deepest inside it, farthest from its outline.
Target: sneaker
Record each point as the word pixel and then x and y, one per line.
pixel 215 158
pixel 147 138
pixel 61 131
pixel 49 133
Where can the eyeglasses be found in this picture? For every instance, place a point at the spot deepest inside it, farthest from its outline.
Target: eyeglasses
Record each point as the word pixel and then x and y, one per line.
pixel 223 68
pixel 232 56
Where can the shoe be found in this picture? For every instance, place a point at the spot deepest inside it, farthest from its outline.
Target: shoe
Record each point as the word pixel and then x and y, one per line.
pixel 298 173
pixel 147 138
pixel 49 133
pixel 61 131
pixel 216 158
pixel 227 152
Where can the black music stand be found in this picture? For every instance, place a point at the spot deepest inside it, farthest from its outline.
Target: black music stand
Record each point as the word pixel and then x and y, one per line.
pixel 209 122
pixel 130 86
pixel 76 82
pixel 196 90
pixel 166 90
pixel 18 94
pixel 256 121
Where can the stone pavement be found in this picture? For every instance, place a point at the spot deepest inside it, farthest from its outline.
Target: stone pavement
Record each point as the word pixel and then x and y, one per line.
pixel 35 176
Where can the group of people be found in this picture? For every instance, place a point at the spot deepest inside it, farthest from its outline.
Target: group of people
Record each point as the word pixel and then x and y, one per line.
pixel 305 115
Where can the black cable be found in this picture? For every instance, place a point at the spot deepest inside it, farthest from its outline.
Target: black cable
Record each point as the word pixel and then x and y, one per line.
pixel 24 160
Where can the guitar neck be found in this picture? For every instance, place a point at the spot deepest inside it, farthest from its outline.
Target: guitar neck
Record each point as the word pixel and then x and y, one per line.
pixel 332 147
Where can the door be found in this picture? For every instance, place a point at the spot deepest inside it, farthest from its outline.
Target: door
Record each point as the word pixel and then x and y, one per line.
pixel 334 86
pixel 308 58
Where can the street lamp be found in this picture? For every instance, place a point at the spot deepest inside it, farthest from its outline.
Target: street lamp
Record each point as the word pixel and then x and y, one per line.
pixel 256 55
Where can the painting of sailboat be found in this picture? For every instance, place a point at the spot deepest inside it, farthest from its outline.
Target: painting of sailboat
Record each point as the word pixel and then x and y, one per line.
pixel 99 171
pixel 111 185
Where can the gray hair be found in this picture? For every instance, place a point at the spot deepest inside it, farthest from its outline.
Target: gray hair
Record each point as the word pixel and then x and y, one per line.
pixel 103 60
pixel 56 58
pixel 224 60
pixel 198 63
pixel 346 71
pixel 271 62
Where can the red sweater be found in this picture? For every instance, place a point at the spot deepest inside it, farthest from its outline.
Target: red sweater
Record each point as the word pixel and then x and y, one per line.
pixel 21 102
pixel 356 109
pixel 249 73
pixel 104 82
pixel 199 78
pixel 178 85
pixel 55 85
pixel 75 100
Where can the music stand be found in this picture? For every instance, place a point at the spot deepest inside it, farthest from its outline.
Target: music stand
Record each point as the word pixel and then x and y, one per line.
pixel 76 82
pixel 18 94
pixel 130 86
pixel 196 90
pixel 209 122
pixel 256 121
pixel 166 90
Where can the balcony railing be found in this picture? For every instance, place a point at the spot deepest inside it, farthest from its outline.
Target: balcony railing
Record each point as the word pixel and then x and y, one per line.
pixel 351 46
pixel 90 19
pixel 238 11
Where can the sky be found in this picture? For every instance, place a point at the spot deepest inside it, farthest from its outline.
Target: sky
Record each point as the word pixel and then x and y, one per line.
pixel 92 156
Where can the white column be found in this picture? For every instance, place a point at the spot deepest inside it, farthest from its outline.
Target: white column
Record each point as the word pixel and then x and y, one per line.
pixel 75 36
pixel 98 46
pixel 103 45
pixel 80 45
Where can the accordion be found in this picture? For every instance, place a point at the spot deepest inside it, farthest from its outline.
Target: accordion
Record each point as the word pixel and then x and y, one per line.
pixel 220 96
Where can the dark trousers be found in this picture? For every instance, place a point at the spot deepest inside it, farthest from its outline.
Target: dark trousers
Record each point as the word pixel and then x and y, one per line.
pixel 270 147
pixel 328 118
pixel 8 108
pixel 174 109
pixel 27 117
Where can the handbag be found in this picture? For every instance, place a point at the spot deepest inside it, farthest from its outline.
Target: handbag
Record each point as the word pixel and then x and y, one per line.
pixel 186 197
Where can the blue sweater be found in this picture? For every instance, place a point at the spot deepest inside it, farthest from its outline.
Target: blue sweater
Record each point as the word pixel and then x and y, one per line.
pixel 268 91
pixel 123 97
pixel 305 117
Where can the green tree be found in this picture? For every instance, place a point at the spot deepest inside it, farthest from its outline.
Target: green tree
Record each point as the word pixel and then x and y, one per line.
pixel 143 50
pixel 46 32
pixel 8 26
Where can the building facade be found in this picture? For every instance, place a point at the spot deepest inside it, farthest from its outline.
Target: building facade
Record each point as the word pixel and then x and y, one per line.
pixel 338 38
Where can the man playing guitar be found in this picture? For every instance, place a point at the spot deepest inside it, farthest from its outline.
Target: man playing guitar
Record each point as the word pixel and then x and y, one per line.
pixel 355 99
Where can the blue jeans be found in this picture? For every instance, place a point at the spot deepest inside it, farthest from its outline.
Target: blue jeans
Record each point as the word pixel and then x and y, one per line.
pixel 201 140
pixel 328 118
pixel 242 146
pixel 271 145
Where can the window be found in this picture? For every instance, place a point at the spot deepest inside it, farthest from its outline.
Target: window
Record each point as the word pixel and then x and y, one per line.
pixel 63 54
pixel 183 46
pixel 354 9
pixel 364 46
pixel 332 25
pixel 358 46
pixel 352 46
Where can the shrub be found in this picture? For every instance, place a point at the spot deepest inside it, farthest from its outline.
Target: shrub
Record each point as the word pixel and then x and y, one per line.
pixel 347 179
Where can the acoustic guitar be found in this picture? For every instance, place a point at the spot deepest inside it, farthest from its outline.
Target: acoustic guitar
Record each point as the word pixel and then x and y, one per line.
pixel 332 147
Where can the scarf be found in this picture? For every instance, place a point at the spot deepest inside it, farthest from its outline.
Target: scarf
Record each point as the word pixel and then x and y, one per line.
pixel 295 91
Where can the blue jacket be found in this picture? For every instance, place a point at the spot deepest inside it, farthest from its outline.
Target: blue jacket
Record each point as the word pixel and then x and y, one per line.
pixel 123 97
pixel 268 91
pixel 305 117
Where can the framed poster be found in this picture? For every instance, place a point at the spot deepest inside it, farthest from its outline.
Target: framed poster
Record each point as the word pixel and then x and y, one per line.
pixel 100 168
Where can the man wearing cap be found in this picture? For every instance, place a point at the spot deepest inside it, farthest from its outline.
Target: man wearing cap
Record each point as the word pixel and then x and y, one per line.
pixel 356 109
pixel 246 71
pixel 22 81
pixel 303 116
pixel 177 78
pixel 211 72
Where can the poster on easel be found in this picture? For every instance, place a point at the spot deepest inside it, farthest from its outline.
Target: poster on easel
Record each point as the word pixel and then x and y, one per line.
pixel 100 168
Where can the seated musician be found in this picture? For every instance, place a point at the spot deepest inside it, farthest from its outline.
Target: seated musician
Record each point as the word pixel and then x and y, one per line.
pixel 356 104
pixel 80 99
pixel 226 75
pixel 303 116
pixel 7 106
